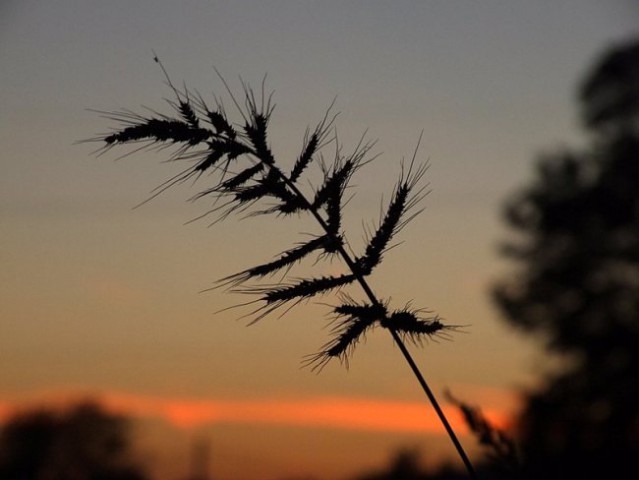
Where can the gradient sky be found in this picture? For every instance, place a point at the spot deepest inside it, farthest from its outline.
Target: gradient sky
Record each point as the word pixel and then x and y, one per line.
pixel 97 298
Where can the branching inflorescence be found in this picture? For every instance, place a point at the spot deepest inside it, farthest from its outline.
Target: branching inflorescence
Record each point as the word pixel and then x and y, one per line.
pixel 251 181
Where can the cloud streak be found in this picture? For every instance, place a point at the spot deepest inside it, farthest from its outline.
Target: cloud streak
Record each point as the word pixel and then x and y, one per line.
pixel 333 412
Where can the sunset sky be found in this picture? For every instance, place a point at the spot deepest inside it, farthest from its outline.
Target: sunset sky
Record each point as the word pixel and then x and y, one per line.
pixel 100 299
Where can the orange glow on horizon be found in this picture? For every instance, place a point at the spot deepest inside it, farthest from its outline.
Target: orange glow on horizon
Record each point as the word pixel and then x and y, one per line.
pixel 319 412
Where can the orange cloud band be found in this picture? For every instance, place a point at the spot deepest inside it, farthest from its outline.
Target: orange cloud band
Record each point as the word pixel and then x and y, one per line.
pixel 324 412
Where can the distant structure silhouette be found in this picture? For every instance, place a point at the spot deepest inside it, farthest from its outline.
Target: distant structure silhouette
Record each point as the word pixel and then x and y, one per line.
pixel 200 460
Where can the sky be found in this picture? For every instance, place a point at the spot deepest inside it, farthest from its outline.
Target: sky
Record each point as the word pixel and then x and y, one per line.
pixel 101 299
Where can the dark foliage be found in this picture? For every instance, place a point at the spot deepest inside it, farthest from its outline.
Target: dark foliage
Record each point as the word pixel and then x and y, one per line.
pixel 609 96
pixel 405 465
pixel 82 443
pixel 578 285
pixel 502 456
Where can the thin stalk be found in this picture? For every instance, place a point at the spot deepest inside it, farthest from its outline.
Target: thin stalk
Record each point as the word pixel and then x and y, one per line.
pixel 398 340
pixel 435 403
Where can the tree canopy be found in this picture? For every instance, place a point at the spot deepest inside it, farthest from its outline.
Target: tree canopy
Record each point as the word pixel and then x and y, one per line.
pixel 82 443
pixel 577 282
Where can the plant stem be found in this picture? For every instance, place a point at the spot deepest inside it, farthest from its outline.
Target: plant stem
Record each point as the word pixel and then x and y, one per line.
pixel 398 340
pixel 435 403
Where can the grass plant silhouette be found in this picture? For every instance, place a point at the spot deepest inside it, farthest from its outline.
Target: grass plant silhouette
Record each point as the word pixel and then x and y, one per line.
pixel 502 454
pixel 251 182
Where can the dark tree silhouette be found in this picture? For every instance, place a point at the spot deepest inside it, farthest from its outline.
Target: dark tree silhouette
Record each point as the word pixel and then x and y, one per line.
pixel 84 443
pixel 405 465
pixel 577 285
pixel 610 95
